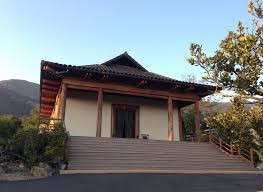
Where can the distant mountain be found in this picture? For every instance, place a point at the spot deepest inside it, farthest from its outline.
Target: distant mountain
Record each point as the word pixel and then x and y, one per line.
pixel 18 97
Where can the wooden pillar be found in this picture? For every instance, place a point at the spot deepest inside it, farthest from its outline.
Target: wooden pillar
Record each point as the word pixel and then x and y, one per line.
pixel 63 96
pixel 170 119
pixel 99 114
pixel 180 123
pixel 197 121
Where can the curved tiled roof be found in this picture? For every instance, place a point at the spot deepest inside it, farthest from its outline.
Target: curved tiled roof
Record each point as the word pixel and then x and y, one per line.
pixel 124 65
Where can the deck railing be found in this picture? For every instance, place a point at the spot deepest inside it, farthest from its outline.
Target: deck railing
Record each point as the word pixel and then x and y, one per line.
pixel 231 149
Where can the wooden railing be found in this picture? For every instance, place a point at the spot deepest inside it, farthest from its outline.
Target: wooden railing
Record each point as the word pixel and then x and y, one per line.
pixel 244 154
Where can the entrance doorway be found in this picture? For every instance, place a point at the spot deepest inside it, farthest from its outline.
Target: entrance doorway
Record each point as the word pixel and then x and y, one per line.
pixel 125 121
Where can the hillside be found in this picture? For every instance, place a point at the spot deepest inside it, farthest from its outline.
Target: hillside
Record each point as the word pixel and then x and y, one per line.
pixel 18 97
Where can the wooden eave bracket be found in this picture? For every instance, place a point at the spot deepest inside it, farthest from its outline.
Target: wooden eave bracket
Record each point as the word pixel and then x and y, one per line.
pixel 142 83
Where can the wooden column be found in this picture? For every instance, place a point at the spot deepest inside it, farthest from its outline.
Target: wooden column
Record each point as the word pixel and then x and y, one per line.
pixel 180 123
pixel 63 96
pixel 99 114
pixel 197 121
pixel 170 119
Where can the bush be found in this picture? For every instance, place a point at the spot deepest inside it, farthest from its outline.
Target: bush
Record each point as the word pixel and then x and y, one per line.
pixel 32 119
pixel 54 150
pixel 28 143
pixel 239 125
pixel 8 127
pixel 38 145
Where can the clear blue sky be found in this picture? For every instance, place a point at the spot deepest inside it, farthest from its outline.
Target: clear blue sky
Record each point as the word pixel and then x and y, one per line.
pixel 156 33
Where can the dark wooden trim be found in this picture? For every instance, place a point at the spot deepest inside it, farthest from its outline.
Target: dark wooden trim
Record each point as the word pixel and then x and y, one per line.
pixel 170 119
pixel 133 90
pixel 63 97
pixel 99 114
pixel 54 88
pixel 48 93
pixel 45 106
pixel 46 110
pixel 137 122
pixel 83 88
pixel 197 121
pixel 51 82
pixel 137 118
pixel 180 124
pixel 48 100
pixel 49 69
pixel 45 114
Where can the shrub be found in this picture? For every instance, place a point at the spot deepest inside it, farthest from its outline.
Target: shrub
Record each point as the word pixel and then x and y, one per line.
pixel 54 150
pixel 8 127
pixel 32 119
pixel 28 143
pixel 38 145
pixel 238 125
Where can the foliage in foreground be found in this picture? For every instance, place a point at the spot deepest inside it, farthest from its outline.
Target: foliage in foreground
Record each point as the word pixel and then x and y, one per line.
pixel 38 145
pixel 8 127
pixel 239 125
pixel 29 143
pixel 238 62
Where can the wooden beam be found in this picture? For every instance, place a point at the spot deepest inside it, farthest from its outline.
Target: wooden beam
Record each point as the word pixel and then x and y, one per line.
pixel 86 88
pixel 132 90
pixel 180 123
pixel 170 119
pixel 44 106
pixel 47 92
pixel 190 88
pixel 62 103
pixel 197 121
pixel 51 82
pixel 82 88
pixel 54 88
pixel 46 111
pixel 104 77
pixel 48 100
pixel 88 76
pixel 49 69
pixel 44 115
pixel 99 114
pixel 142 83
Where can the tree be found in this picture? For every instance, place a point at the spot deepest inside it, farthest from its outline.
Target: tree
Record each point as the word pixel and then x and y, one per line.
pixel 255 8
pixel 8 126
pixel 33 119
pixel 238 63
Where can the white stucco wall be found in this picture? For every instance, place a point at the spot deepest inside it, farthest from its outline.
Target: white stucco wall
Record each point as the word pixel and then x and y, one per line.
pixel 81 115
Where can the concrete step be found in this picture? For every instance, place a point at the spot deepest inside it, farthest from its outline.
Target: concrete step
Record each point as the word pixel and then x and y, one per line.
pixel 90 153
pixel 143 152
pixel 155 163
pixel 154 158
pixel 169 167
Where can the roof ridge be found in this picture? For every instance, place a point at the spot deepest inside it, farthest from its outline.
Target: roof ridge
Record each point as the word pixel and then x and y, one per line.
pixel 125 54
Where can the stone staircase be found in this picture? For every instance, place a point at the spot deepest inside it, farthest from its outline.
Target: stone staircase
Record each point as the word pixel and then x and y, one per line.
pixel 91 153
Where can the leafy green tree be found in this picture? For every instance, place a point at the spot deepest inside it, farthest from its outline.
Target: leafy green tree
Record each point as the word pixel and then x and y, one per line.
pixel 8 126
pixel 235 125
pixel 255 8
pixel 238 62
pixel 33 119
